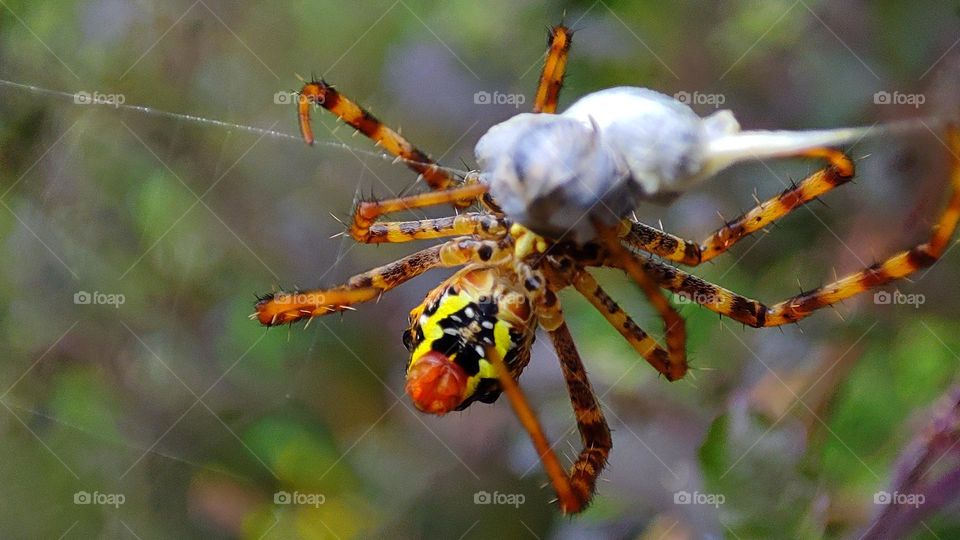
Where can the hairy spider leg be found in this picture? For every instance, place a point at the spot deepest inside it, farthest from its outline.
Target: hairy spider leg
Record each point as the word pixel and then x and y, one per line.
pixel 574 489
pixel 325 95
pixel 559 39
pixel 290 307
pixel 645 345
pixel 473 223
pixel 639 236
pixel 756 314
pixel 367 212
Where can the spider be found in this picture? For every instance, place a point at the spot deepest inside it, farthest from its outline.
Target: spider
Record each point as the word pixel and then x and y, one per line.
pixel 551 196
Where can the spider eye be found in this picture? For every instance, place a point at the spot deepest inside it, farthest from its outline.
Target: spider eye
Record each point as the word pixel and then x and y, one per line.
pixel 408 339
pixel 436 384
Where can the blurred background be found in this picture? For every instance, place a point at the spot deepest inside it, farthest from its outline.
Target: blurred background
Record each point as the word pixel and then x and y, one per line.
pixel 138 400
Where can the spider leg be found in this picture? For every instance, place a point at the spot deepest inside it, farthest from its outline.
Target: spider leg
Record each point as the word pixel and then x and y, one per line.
pixel 323 94
pixel 639 236
pixel 692 288
pixel 675 327
pixel 473 223
pixel 290 307
pixel 574 489
pixel 671 364
pixel 367 212
pixel 756 314
pixel 554 67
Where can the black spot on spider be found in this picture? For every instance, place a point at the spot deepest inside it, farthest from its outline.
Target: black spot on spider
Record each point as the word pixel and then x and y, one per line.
pixel 485 252
pixel 532 283
pixel 409 340
pixel 487 391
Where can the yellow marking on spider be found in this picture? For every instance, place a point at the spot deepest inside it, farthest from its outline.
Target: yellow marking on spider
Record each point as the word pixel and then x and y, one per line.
pixel 526 242
pixel 450 304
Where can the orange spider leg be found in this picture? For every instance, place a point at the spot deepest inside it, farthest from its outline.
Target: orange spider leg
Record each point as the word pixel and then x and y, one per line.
pixel 473 223
pixel 293 306
pixel 675 327
pixel 643 237
pixel 554 67
pixel 756 314
pixel 321 93
pixel 367 212
pixel 574 489
pixel 672 366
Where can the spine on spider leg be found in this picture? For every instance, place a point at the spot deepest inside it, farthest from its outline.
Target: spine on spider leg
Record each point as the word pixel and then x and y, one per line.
pixel 321 93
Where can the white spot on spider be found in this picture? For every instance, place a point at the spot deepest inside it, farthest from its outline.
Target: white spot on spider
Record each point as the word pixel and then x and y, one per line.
pixel 423 320
pixel 479 350
pixel 450 331
pixel 487 324
pixel 456 318
pixel 469 312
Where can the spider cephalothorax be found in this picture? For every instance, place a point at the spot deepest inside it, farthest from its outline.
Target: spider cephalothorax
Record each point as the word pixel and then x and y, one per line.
pixel 552 194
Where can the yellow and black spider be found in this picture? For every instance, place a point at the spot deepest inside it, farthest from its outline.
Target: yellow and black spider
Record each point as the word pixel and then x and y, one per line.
pixel 552 194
